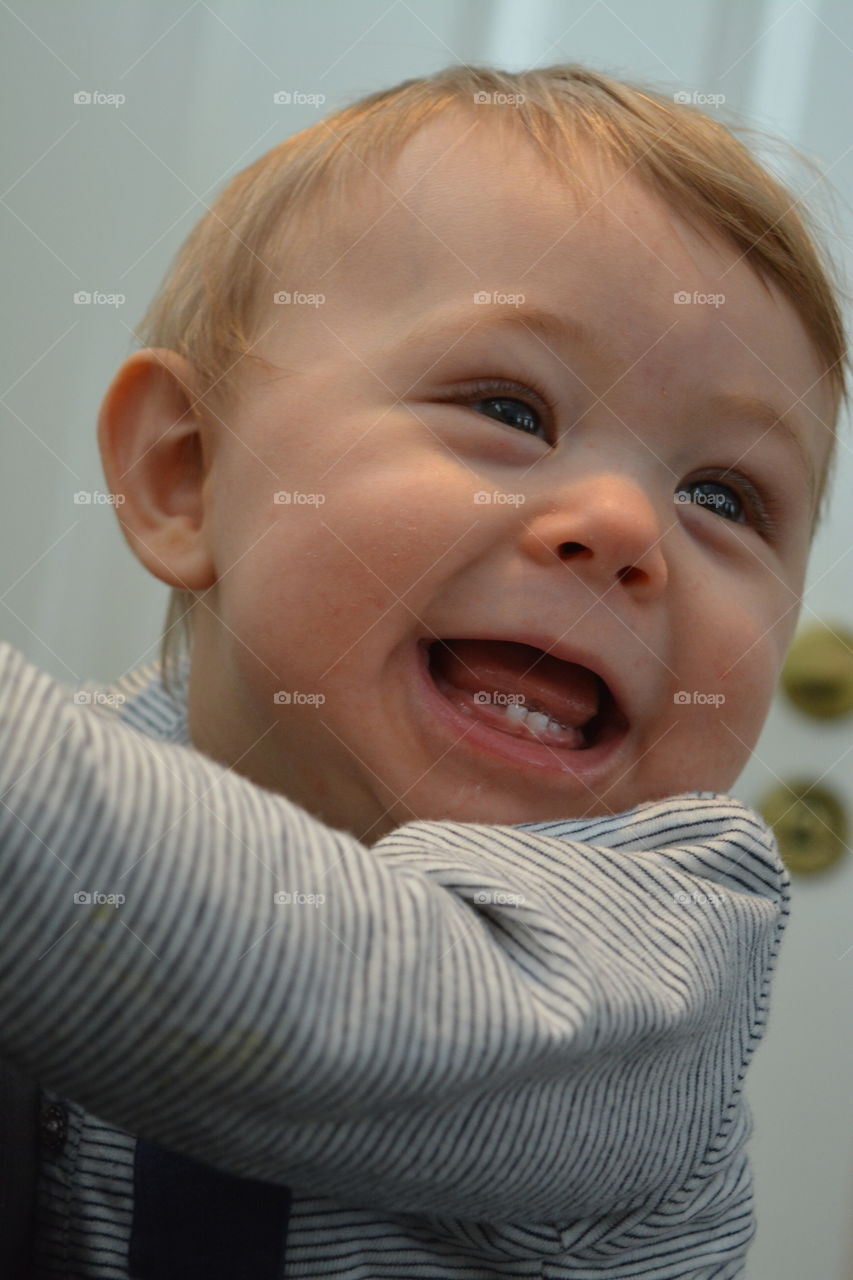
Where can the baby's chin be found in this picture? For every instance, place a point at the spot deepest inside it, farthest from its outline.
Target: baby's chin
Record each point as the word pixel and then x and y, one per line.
pixel 501 810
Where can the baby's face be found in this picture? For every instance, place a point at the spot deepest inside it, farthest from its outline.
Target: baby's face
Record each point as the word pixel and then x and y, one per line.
pixel 581 546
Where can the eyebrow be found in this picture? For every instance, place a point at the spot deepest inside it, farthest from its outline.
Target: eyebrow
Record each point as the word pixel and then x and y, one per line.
pixel 547 324
pixel 749 408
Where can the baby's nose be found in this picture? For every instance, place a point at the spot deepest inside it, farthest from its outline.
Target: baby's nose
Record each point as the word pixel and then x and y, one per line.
pixel 606 528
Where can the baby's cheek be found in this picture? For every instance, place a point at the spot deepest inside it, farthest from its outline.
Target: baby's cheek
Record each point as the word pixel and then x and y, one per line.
pixel 747 676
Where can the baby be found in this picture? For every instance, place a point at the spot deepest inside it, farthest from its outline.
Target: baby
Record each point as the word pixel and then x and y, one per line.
pixel 482 430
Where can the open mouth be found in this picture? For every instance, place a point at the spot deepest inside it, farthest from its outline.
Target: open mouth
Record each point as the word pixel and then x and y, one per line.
pixel 524 693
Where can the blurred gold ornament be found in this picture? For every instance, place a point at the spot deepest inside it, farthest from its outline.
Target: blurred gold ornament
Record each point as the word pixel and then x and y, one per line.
pixel 818 672
pixel 809 823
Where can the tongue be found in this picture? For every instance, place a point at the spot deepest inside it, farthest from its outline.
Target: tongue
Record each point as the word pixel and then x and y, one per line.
pixel 563 690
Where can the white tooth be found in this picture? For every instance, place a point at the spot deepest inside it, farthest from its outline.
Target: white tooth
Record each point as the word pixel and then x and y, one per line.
pixel 515 712
pixel 537 722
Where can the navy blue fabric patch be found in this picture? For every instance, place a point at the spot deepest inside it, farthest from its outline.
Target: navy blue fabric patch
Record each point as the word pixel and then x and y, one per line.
pixel 193 1222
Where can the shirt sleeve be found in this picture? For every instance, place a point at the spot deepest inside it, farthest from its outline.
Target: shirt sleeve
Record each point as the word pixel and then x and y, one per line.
pixel 463 1019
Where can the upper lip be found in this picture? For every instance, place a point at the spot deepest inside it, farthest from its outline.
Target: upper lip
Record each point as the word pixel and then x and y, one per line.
pixel 568 653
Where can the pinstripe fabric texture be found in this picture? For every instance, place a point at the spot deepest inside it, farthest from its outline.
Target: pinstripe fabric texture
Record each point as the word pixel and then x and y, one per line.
pixel 488 1051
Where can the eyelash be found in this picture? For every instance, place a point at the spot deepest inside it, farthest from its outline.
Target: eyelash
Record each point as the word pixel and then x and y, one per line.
pixel 764 507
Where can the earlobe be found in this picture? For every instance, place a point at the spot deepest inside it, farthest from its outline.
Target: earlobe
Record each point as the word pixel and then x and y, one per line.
pixel 155 453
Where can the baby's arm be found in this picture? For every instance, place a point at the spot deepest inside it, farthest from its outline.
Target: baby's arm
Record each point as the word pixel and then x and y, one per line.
pixel 451 1031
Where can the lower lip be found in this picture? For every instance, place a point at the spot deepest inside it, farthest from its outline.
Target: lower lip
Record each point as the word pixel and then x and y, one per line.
pixel 586 763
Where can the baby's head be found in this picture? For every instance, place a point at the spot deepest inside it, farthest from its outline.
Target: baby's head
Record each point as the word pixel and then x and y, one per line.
pixel 535 358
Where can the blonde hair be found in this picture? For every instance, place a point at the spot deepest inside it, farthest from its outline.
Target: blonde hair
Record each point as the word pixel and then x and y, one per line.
pixel 210 303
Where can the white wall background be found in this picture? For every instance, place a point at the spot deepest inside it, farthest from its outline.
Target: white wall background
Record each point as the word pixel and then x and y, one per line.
pixel 99 198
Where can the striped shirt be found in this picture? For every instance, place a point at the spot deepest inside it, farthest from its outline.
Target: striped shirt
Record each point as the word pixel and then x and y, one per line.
pixel 469 1051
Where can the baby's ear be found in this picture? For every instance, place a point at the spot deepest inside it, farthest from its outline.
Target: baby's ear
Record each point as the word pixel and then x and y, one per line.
pixel 155 457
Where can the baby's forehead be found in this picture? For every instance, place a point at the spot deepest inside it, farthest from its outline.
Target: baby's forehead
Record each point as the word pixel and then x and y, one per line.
pixel 469 196
pixel 469 207
pixel 460 168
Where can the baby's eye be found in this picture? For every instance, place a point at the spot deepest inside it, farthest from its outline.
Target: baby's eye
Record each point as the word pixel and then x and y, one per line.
pixel 717 497
pixel 515 413
pixel 526 412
